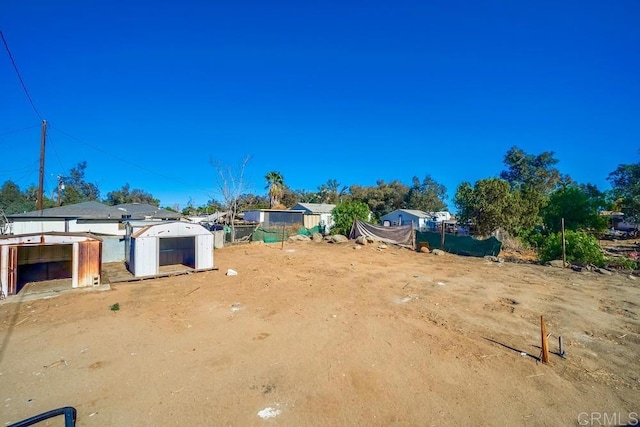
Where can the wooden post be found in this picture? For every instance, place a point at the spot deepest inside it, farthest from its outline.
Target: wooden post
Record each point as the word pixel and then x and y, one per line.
pixel 564 246
pixel 545 341
pixel 43 137
pixel 282 246
pixel 442 236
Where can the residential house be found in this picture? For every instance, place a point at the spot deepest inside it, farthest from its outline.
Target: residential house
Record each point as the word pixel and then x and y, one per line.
pixel 317 215
pixel 90 217
pixel 419 219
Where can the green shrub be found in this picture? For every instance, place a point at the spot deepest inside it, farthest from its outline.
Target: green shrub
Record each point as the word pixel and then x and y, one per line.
pixel 581 248
pixel 532 237
pixel 622 263
pixel 345 213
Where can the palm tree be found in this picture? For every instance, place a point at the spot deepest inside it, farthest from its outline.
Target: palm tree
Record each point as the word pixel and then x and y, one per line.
pixel 275 185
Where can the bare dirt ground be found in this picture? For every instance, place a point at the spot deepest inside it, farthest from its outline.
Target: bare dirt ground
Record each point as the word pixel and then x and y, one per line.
pixel 327 335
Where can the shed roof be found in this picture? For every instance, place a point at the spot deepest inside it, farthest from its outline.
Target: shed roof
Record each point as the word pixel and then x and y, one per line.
pixel 318 208
pixel 171 229
pixel 48 238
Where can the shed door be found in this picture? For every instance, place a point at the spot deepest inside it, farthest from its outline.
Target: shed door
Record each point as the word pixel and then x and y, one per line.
pixel 13 270
pixel 89 262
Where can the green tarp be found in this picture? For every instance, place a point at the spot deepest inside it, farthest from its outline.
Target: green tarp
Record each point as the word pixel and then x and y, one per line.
pixel 460 245
pixel 273 235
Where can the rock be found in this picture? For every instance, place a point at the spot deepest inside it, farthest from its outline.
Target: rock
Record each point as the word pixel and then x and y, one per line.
pixel 338 238
pixel 361 240
pixel 370 239
pixel 382 246
pixel 556 263
pixel 298 238
pixel 438 252
pixel 493 258
pixel 231 272
pixel 632 277
pixel 576 268
pixel 602 271
pixel 317 237
pixel 357 247
pixel 424 250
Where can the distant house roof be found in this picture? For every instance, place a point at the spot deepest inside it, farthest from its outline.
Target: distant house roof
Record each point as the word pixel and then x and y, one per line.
pixel 412 212
pixel 84 210
pixel 98 211
pixel 141 210
pixel 316 208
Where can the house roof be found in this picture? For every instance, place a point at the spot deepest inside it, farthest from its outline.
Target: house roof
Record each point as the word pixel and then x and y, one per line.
pixel 84 210
pixel 316 207
pixel 141 210
pixel 98 211
pixel 413 212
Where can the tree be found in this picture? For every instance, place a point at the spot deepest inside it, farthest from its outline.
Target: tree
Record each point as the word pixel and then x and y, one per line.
pixel 625 181
pixel 13 200
pixel 252 201
pixel 126 195
pixel 330 192
pixel 381 199
pixel 532 178
pixel 304 196
pixel 289 197
pixel 76 189
pixel 489 204
pixel 578 208
pixel 345 213
pixel 230 183
pixel 427 196
pixel 536 171
pixel 275 185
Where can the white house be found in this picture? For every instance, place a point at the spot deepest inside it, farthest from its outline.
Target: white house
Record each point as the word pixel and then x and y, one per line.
pixel 90 217
pixel 317 214
pixel 87 217
pixel 418 218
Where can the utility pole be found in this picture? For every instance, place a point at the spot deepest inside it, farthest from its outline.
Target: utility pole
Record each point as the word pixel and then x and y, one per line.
pixel 41 178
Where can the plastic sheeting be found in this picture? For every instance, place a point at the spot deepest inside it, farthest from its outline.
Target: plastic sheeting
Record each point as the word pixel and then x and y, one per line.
pixel 400 235
pixel 460 245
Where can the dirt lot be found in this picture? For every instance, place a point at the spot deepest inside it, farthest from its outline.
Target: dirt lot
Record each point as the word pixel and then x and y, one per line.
pixel 325 334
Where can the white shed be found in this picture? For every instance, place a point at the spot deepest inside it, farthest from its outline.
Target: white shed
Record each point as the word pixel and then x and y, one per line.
pixel 169 243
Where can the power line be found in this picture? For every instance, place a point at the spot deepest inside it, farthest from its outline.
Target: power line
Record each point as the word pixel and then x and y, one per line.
pixel 129 162
pixel 15 67
pixel 18 130
pixel 53 147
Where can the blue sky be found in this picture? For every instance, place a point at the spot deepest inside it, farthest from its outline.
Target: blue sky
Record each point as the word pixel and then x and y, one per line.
pixel 149 92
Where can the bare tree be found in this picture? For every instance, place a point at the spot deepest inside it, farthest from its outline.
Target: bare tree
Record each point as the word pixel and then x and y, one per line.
pixel 230 183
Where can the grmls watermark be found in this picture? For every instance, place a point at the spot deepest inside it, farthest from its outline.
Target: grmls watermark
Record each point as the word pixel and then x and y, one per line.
pixel 608 419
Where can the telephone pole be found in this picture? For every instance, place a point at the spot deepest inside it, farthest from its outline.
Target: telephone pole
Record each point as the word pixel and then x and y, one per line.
pixel 41 178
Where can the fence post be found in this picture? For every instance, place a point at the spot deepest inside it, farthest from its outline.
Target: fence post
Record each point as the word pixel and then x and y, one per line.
pixel 564 246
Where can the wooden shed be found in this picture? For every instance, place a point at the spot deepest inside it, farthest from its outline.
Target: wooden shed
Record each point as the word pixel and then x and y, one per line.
pixel 39 257
pixel 169 243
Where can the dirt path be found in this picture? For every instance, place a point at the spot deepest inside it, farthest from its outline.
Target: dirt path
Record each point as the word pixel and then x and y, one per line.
pixel 328 335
